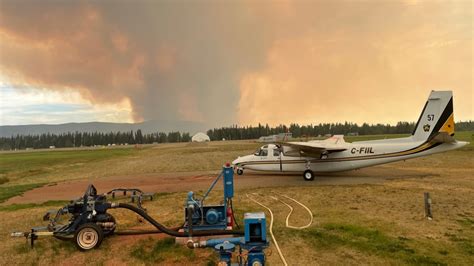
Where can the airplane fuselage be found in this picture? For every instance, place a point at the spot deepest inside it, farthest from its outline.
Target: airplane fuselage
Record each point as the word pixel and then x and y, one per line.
pixel 357 155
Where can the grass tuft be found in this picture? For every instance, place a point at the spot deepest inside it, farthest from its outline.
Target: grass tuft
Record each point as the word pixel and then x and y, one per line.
pixel 443 252
pixel 151 251
pixel 16 207
pixel 12 191
pixel 465 242
pixel 4 180
pixel 468 222
pixel 366 240
pixel 24 248
pixel 59 246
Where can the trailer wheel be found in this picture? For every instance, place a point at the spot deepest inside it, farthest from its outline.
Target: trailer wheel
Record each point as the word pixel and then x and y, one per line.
pixel 308 175
pixel 240 171
pixel 88 236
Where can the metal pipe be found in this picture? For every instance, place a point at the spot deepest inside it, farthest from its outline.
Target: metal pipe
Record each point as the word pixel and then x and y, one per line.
pixel 217 241
pixel 428 212
pixel 190 210
pixel 211 187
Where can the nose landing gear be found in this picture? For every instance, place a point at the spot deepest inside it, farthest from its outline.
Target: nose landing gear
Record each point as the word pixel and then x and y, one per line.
pixel 240 171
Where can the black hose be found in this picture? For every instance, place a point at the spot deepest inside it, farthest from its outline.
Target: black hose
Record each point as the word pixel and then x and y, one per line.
pixel 145 232
pixel 171 232
pixel 138 232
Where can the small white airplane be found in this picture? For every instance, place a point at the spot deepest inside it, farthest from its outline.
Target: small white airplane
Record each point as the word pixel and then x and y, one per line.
pixel 433 133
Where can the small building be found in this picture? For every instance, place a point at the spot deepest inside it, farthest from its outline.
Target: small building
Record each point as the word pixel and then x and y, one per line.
pixel 200 137
pixel 268 139
pixel 284 136
pixel 275 138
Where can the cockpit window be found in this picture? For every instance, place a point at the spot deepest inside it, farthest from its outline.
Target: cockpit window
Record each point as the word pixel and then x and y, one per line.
pixel 257 152
pixel 276 152
pixel 261 152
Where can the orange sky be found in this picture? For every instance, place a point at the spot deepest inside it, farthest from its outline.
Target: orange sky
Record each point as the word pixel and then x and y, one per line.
pixel 242 62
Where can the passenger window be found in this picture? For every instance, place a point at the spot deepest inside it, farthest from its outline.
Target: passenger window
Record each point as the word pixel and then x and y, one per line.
pixel 264 153
pixel 276 152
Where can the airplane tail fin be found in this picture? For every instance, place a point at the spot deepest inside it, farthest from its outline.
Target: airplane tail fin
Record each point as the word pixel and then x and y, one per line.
pixel 436 119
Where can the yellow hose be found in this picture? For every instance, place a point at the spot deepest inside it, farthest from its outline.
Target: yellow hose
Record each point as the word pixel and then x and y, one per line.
pixel 291 211
pixel 271 229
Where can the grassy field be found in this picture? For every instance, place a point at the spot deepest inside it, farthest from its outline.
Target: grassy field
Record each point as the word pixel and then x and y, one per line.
pixel 353 224
pixel 24 167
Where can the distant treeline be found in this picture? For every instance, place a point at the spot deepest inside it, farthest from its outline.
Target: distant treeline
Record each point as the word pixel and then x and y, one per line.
pixel 249 132
pixel 81 139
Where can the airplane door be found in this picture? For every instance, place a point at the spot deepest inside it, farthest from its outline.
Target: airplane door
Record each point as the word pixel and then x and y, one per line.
pixel 263 154
pixel 280 159
pixel 277 155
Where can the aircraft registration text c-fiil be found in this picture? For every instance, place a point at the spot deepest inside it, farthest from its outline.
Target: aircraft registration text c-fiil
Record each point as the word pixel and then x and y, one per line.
pixel 362 150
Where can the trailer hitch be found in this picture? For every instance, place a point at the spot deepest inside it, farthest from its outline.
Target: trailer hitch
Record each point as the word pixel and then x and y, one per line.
pixel 33 235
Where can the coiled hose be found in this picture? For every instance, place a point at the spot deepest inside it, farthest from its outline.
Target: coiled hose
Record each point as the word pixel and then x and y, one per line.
pixel 170 231
pixel 271 230
pixel 291 211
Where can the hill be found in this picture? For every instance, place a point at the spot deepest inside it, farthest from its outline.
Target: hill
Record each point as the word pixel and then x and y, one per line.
pixel 103 127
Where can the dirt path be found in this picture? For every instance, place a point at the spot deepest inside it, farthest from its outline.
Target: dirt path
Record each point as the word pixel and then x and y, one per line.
pixel 186 181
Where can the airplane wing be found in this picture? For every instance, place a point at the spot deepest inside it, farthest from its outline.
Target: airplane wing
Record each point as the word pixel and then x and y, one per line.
pixel 316 148
pixel 319 146
pixel 336 139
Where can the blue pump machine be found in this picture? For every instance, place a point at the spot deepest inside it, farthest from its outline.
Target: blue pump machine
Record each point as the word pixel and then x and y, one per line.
pixel 211 217
pixel 219 217
pixel 254 241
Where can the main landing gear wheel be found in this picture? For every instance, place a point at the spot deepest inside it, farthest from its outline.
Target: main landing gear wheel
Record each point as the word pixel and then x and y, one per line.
pixel 240 171
pixel 308 175
pixel 88 236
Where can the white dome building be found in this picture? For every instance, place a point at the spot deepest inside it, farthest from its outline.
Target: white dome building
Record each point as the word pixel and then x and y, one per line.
pixel 200 137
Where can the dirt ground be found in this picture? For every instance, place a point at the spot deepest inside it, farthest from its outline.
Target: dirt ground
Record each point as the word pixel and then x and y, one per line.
pixel 188 181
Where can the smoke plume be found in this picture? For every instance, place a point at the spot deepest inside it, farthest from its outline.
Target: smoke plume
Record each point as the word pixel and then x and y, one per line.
pixel 243 61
